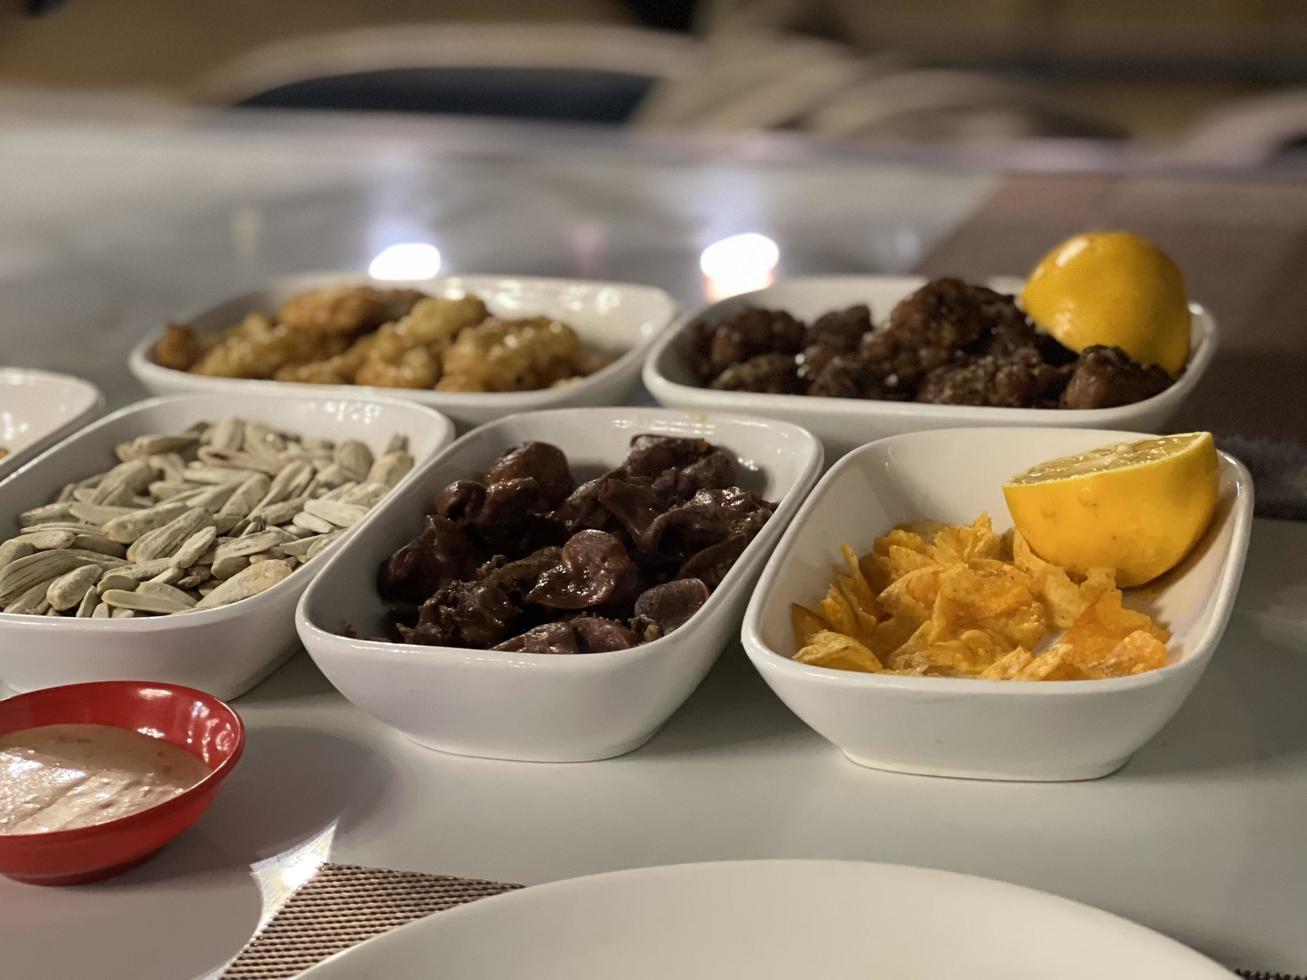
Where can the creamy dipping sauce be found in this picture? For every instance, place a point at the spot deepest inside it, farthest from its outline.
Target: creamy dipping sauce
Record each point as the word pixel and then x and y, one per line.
pixel 59 777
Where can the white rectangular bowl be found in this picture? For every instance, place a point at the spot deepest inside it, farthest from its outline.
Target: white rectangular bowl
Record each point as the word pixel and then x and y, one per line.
pixel 617 319
pixel 542 707
pixel 37 408
pixel 224 651
pixel 843 424
pixel 943 726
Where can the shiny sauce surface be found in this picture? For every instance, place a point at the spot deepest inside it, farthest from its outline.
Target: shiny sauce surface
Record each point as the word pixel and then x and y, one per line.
pixel 61 777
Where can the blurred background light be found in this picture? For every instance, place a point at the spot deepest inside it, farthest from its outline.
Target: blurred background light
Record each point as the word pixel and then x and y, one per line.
pixel 406 260
pixel 738 264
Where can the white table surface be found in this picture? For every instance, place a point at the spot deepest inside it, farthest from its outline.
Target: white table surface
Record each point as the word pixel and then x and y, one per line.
pixel 110 222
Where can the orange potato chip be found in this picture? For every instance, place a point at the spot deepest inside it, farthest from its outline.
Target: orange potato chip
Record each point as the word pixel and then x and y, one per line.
pixel 1102 626
pixel 963 543
pixel 961 601
pixel 1054 664
pixel 966 656
pixel 1139 652
pixel 805 623
pixel 992 596
pixel 835 650
pixel 1064 598
pixel 913 595
pixel 1006 667
pixel 892 633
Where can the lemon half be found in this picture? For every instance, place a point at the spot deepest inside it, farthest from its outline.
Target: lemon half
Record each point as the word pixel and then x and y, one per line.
pixel 1112 288
pixel 1136 507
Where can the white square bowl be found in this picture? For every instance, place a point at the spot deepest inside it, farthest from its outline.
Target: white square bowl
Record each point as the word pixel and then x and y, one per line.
pixel 613 318
pixel 941 726
pixel 37 408
pixel 843 424
pixel 224 651
pixel 542 707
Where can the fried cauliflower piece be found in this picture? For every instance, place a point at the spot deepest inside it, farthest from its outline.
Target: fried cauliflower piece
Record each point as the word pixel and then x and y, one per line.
pixel 407 353
pixel 513 355
pixel 178 348
pixel 336 310
pixel 338 370
pixel 258 348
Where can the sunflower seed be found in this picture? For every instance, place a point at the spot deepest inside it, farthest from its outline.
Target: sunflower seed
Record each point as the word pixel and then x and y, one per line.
pixel 97 514
pixel 193 547
pixel 169 576
pixel 31 602
pixel 165 591
pixel 101 611
pixel 70 588
pixel 48 540
pixel 250 582
pixel 317 525
pixel 140 601
pixel 117 580
pixel 127 528
pixel 88 604
pixel 246 496
pixel 251 544
pixel 163 541
pixel 390 468
pixel 353 457
pixel 44 515
pixel 93 541
pixel 339 514
pixel 225 568
pixel 227 435
pixel 321 545
pixel 14 549
pixel 24 574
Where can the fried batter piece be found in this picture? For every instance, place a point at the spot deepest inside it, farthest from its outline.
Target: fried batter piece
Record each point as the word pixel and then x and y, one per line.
pixel 408 352
pixel 346 309
pixel 338 370
pixel 258 348
pixel 178 348
pixel 514 355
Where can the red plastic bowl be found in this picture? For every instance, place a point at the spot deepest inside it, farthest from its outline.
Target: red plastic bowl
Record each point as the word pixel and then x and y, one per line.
pixel 193 720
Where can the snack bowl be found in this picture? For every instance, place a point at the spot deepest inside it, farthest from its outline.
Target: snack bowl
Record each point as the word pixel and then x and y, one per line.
pixel 618 319
pixel 190 719
pixel 37 408
pixel 225 650
pixel 843 424
pixel 982 729
pixel 542 707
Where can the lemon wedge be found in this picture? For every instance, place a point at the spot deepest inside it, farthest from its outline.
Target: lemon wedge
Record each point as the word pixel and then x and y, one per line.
pixel 1113 288
pixel 1136 507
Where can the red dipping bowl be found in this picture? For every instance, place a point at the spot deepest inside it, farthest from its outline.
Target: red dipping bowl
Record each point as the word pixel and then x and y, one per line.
pixel 190 719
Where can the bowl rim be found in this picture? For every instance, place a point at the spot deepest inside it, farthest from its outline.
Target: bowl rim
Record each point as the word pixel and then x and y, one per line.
pixel 75 421
pixel 141 817
pixel 767 659
pixel 661 385
pixel 789 505
pixel 146 625
pixel 145 369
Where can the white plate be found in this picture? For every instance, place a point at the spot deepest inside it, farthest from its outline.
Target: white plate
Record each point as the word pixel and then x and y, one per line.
pixel 530 706
pixel 948 726
pixel 843 424
pixel 615 318
pixel 787 920
pixel 38 407
pixel 224 651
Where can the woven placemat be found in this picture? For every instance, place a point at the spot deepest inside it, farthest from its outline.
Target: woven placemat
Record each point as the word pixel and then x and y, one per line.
pixel 344 904
pixel 341 906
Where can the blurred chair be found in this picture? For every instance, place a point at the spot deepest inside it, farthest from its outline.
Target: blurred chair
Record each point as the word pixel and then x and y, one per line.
pixel 572 72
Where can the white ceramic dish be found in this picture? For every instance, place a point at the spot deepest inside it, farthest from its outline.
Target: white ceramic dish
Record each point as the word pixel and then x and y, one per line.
pixel 983 729
pixel 37 408
pixel 224 651
pixel 772 920
pixel 615 318
pixel 843 424
pixel 539 707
